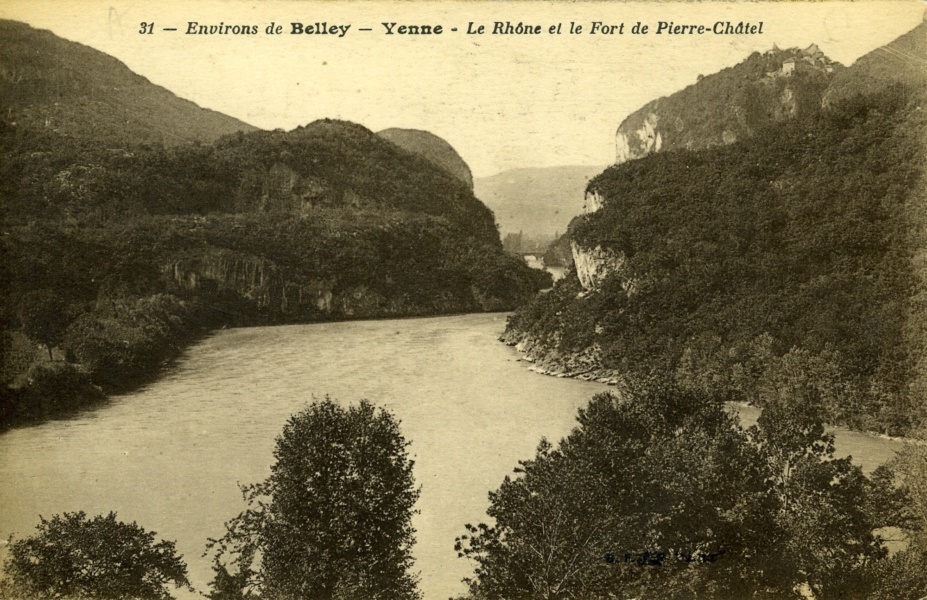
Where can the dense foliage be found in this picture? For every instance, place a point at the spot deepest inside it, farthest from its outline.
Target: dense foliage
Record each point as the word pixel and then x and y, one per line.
pixel 72 556
pixel 661 494
pixel 794 246
pixel 333 520
pixel 327 163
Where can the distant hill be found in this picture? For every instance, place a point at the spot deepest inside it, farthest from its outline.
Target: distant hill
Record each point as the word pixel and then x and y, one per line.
pixel 432 148
pixel 53 84
pixel 730 105
pixel 536 201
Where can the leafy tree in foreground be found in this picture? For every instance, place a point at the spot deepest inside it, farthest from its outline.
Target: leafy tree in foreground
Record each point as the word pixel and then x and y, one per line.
pixel 333 520
pixel 661 494
pixel 75 557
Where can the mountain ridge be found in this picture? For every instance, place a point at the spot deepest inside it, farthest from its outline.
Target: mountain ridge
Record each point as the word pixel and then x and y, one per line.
pixel 903 60
pixel 51 83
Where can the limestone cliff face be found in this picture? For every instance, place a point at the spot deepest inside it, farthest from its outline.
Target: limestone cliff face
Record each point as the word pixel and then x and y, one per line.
pixel 256 290
pixel 254 279
pixel 730 105
pixel 638 136
pixel 593 201
pixel 594 264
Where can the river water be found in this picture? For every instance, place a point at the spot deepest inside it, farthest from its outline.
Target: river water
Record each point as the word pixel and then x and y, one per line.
pixel 170 456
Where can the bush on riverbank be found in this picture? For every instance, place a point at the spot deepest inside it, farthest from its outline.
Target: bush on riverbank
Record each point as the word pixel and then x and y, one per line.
pixel 50 389
pixel 123 340
pixel 117 344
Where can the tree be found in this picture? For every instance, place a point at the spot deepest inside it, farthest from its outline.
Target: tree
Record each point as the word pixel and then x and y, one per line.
pixel 637 501
pixel 45 318
pixel 904 574
pixel 75 557
pixel 659 493
pixel 333 520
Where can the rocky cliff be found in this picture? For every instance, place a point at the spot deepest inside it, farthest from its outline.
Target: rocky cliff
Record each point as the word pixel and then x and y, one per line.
pixel 254 290
pixel 252 278
pixel 729 105
pixel 594 264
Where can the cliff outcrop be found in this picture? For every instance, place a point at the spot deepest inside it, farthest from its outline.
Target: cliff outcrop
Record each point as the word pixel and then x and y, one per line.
pixel 253 290
pixel 730 105
pixel 254 279
pixel 594 264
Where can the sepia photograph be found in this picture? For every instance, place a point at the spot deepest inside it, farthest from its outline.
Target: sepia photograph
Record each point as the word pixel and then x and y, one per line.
pixel 463 300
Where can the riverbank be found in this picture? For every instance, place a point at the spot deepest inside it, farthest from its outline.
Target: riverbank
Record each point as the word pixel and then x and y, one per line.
pixel 120 300
pixel 582 366
pixel 125 345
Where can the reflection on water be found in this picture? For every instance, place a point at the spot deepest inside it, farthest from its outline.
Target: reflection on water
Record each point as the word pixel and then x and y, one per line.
pixel 170 456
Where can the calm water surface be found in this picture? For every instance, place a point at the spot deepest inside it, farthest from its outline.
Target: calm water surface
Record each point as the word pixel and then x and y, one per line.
pixel 170 456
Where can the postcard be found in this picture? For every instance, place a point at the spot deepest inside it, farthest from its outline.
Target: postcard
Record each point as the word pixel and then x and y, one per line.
pixel 317 291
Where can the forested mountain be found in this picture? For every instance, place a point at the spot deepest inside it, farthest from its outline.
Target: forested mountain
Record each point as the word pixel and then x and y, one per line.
pixel 730 105
pixel 793 257
pixel 115 253
pixel 431 147
pixel 59 86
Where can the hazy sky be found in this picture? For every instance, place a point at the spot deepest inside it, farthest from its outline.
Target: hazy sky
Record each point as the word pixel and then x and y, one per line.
pixel 501 101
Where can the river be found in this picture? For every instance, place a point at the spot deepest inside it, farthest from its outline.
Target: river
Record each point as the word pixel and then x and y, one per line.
pixel 170 456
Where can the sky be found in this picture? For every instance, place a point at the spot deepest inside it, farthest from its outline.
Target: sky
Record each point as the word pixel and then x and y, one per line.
pixel 503 101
